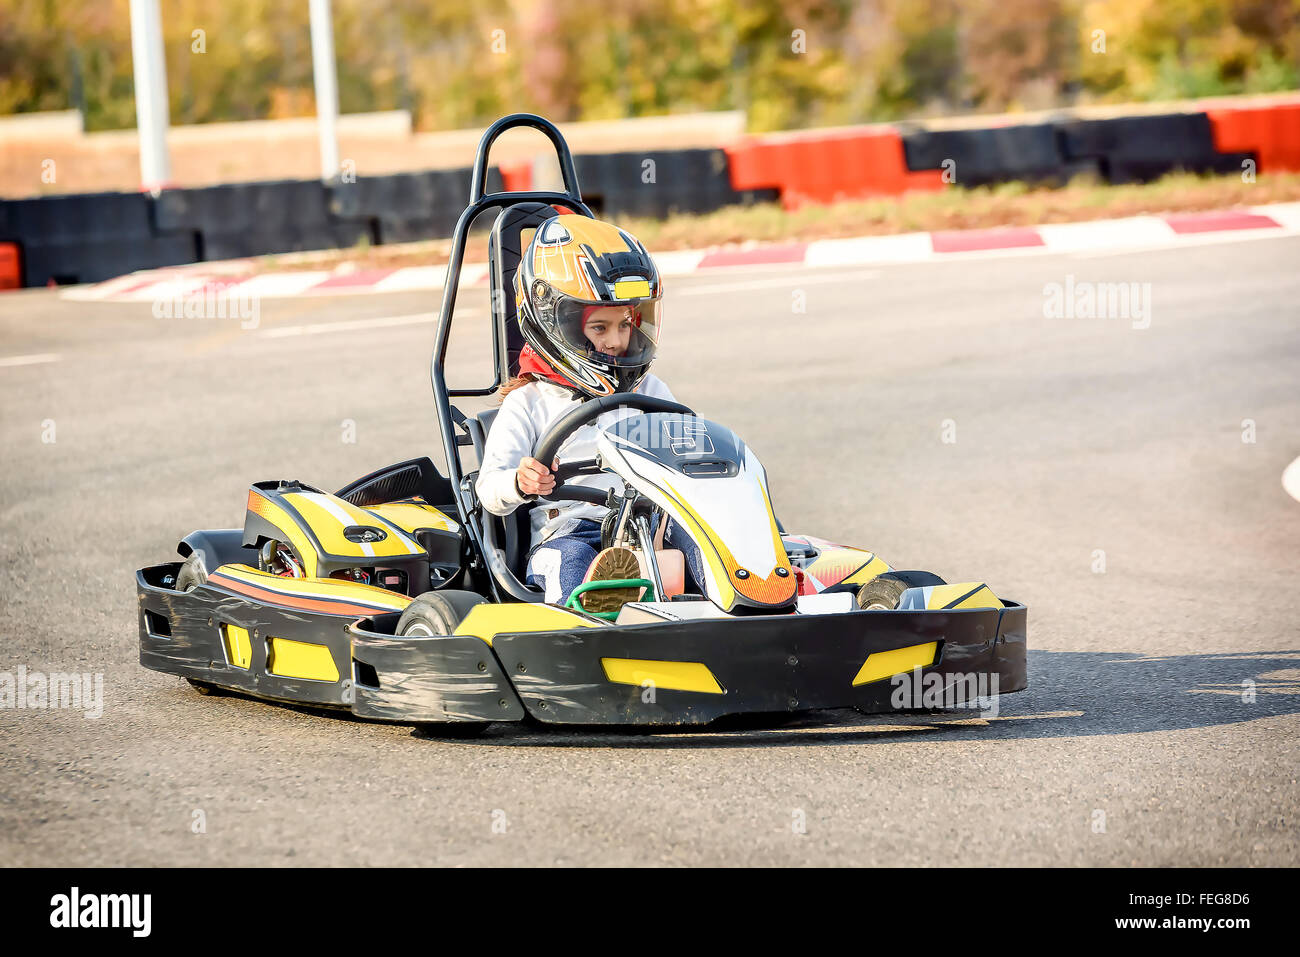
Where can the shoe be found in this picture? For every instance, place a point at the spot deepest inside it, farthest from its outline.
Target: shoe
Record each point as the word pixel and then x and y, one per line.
pixel 612 563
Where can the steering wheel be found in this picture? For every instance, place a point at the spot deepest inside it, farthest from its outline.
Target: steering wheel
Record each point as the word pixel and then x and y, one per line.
pixel 548 446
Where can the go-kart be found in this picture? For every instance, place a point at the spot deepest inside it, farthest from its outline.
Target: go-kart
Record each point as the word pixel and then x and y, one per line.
pixel 400 598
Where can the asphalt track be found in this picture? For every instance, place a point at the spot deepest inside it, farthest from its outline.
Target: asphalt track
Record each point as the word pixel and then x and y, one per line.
pixel 1074 437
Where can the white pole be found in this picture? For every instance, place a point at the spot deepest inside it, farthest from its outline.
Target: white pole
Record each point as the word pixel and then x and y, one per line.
pixel 327 93
pixel 151 106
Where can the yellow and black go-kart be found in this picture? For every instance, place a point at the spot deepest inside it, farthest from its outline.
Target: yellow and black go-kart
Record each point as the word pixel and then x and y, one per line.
pixel 400 597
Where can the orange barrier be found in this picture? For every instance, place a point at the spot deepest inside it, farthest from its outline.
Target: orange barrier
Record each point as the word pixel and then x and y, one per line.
pixel 517 177
pixel 1272 133
pixel 824 166
pixel 10 271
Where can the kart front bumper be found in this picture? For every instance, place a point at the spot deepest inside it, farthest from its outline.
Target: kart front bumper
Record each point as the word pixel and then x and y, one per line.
pixel 667 673
pixel 694 672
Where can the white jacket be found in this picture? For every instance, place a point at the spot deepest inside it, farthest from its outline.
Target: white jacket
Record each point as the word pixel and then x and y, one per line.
pixel 525 416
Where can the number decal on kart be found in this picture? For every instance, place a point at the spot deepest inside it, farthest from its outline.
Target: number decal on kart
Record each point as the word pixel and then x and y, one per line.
pixel 688 438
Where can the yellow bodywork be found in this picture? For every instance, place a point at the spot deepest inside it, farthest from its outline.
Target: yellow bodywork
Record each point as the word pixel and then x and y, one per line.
pixel 487 621
pixel 670 675
pixel 239 646
pixel 410 516
pixel 300 659
pixel 886 664
pixel 877 566
pixel 329 515
pixel 259 504
pixel 963 595
pixel 318 587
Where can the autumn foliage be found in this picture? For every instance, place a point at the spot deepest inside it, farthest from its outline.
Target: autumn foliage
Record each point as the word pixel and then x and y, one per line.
pixel 788 64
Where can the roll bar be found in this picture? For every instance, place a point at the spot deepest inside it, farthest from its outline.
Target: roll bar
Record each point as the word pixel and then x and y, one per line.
pixel 479 202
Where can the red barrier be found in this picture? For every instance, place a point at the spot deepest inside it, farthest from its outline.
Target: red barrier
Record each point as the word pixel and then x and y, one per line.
pixel 825 166
pixel 1272 133
pixel 11 276
pixel 517 177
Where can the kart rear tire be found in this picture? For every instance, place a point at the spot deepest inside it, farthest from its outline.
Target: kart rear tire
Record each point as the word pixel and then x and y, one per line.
pixel 436 613
pixel 204 688
pixel 884 592
pixel 192 573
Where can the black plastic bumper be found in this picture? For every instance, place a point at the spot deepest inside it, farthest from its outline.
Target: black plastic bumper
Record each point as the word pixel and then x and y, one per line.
pixel 762 664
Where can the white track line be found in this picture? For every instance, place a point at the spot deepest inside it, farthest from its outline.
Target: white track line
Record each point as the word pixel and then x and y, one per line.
pixel 1209 238
pixel 678 262
pixel 349 325
pixel 279 285
pixel 1291 479
pixel 1107 234
pixel 412 278
pixel 794 279
pixel 1287 214
pixel 898 248
pixel 345 325
pixel 31 360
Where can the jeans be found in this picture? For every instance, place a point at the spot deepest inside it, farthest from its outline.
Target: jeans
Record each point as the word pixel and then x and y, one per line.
pixel 559 564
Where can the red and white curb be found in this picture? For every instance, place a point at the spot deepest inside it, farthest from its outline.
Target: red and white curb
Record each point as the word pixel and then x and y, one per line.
pixel 1102 237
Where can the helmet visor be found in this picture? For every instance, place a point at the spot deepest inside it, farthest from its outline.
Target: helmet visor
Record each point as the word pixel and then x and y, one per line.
pixel 615 334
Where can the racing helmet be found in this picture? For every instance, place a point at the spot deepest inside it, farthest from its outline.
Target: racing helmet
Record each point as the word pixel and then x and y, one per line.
pixel 578 274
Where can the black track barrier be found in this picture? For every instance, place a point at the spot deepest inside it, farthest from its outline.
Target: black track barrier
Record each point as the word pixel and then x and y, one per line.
pixel 1121 170
pixel 255 219
pixel 980 157
pixel 99 259
pixel 83 217
pixel 657 183
pixel 89 237
pixel 409 206
pixel 1142 148
pixel 95 236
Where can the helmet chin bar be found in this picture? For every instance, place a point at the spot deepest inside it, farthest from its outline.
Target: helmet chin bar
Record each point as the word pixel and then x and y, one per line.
pixel 577 366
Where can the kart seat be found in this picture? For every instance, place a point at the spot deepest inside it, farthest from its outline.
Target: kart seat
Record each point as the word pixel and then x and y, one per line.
pixel 512 534
pixel 509 534
pixel 509 237
pixel 506 244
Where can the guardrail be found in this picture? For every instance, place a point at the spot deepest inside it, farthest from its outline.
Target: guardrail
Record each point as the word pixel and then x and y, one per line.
pixel 91 237
pixel 860 162
pixel 95 236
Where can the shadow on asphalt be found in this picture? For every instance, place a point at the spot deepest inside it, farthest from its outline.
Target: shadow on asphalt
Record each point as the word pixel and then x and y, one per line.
pixel 1070 694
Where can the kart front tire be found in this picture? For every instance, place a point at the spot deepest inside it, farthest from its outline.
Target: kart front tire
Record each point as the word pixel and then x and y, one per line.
pixel 436 613
pixel 192 573
pixel 884 592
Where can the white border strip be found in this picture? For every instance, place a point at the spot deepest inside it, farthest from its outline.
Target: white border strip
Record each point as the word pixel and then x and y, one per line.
pixel 346 325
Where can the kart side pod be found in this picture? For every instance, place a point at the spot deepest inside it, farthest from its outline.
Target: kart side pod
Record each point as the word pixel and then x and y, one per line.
pixel 329 535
